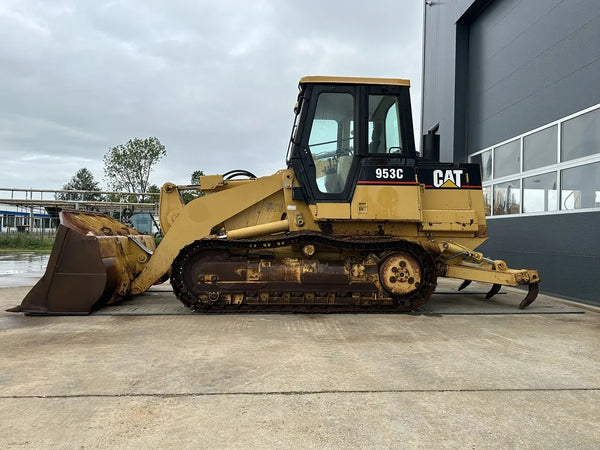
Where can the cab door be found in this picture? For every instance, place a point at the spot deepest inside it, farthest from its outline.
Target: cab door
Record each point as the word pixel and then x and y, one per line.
pixel 387 187
pixel 325 160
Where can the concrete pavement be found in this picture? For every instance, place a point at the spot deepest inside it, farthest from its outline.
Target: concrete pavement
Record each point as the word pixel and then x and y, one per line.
pixel 462 372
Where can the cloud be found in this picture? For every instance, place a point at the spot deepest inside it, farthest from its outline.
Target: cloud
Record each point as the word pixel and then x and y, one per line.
pixel 215 81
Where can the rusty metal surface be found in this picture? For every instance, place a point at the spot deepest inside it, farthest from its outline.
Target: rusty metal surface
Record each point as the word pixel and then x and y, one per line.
pixel 400 273
pixel 531 296
pixel 75 279
pixel 160 300
pixel 247 275
pixel 93 262
pixel 94 223
pixel 493 291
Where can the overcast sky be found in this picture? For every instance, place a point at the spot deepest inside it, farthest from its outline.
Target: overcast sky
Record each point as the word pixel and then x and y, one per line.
pixel 215 81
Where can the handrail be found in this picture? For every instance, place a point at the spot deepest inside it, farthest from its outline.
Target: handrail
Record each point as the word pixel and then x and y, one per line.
pixel 74 191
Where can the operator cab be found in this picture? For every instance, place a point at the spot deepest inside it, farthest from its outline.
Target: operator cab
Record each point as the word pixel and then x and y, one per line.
pixel 343 128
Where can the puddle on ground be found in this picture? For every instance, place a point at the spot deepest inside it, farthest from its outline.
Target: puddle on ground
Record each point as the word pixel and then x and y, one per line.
pixel 12 263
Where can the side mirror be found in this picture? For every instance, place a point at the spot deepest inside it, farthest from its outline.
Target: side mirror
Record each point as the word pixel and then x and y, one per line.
pixel 431 144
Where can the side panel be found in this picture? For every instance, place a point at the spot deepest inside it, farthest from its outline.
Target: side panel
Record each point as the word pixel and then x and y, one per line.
pixel 270 209
pixel 324 211
pixel 394 203
pixel 453 199
pixel 387 193
pixel 459 176
pixel 439 220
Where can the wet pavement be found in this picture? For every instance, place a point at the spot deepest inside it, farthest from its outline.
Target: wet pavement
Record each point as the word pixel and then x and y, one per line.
pixel 21 268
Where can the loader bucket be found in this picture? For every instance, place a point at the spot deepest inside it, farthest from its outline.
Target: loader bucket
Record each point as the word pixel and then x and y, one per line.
pixel 92 264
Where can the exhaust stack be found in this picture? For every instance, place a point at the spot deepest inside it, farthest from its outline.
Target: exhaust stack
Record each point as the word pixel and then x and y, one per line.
pixel 431 144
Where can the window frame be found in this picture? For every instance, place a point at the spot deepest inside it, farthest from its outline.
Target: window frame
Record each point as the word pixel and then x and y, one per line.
pixel 557 168
pixel 305 169
pixel 300 159
pixel 339 129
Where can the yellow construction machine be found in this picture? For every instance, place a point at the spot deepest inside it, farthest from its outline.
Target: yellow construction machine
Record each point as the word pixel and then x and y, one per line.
pixel 359 221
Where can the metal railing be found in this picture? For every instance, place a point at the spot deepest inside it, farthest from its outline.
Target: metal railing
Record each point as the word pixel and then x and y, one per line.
pixel 69 198
pixel 33 207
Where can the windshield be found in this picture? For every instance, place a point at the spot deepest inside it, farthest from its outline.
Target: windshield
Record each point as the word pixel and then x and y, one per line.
pixel 332 140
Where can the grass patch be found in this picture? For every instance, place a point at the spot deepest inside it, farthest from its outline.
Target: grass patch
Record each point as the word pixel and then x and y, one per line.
pixel 24 241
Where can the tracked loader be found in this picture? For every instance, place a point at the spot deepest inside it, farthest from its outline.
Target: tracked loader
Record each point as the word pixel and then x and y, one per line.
pixel 359 221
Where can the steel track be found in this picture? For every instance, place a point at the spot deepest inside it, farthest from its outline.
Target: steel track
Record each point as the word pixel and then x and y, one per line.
pixel 359 300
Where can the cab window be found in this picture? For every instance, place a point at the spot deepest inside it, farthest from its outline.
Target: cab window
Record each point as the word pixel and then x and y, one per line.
pixel 332 140
pixel 384 124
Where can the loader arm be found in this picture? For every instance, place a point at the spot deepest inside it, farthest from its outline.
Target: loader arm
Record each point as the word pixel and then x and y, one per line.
pixel 196 220
pixel 171 201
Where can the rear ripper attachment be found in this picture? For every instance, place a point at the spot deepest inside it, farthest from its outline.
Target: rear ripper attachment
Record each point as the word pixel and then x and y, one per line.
pixel 303 272
pixel 92 264
pixel 460 262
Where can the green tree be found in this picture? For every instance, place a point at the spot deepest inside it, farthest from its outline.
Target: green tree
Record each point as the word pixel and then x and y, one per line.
pixel 153 189
pixel 128 166
pixel 83 180
pixel 194 179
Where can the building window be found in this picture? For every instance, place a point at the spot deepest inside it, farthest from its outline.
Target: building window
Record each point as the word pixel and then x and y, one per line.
pixel 580 187
pixel 507 198
pixel 581 136
pixel 507 159
pixel 540 193
pixel 487 200
pixel 485 161
pixel 539 149
pixel 553 169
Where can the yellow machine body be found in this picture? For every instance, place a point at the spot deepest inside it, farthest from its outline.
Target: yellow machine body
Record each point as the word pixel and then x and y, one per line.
pixel 357 220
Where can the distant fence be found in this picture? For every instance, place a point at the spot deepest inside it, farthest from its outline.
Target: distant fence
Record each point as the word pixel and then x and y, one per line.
pixel 36 210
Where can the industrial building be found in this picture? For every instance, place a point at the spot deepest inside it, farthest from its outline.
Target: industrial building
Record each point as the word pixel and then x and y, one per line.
pixel 515 86
pixel 15 219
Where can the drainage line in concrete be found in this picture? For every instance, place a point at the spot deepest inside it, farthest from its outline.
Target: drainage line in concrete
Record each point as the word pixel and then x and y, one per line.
pixel 294 393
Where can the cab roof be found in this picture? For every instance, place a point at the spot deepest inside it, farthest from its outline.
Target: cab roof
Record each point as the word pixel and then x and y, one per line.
pixel 354 80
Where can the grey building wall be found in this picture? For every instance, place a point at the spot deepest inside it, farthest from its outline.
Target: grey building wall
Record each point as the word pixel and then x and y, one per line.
pixel 445 68
pixel 563 248
pixel 495 69
pixel 531 62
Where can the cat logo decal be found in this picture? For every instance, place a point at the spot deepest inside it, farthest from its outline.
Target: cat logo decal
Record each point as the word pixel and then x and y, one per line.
pixel 448 178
